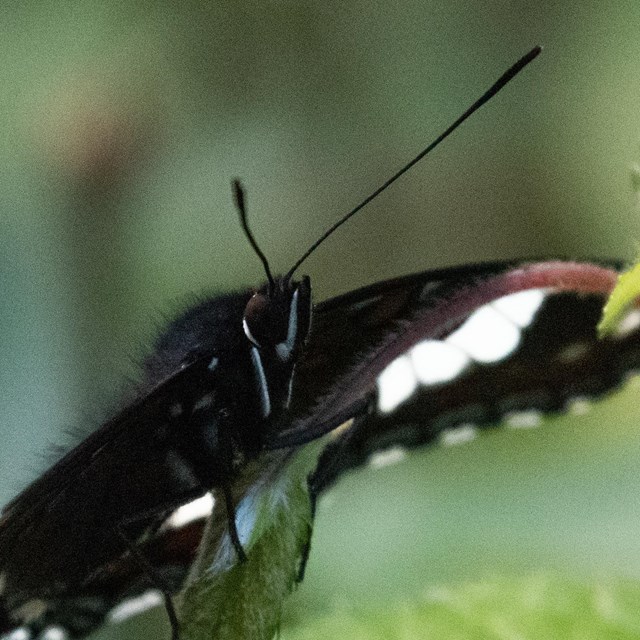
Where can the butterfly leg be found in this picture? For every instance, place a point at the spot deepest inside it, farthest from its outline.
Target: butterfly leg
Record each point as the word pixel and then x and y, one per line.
pixel 306 549
pixel 156 580
pixel 231 523
pixel 329 466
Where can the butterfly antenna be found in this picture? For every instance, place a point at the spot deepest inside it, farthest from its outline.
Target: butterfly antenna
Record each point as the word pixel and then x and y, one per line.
pixel 238 195
pixel 499 84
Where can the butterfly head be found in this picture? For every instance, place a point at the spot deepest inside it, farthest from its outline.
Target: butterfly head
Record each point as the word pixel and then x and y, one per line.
pixel 277 318
pixel 276 323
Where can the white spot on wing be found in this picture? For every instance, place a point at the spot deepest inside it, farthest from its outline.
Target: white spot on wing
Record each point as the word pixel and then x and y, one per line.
pixel 213 364
pixel 578 406
pixel 487 336
pixel 436 362
pixel 523 419
pixel 31 610
pixel 520 307
pixel 458 435
pixel 490 334
pixel 387 457
pixel 573 352
pixel 53 633
pixel 18 634
pixel 395 384
pixel 135 606
pixel 194 510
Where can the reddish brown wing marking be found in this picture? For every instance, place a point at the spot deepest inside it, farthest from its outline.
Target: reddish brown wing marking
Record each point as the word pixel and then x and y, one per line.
pixel 347 328
pixel 560 359
pixel 418 313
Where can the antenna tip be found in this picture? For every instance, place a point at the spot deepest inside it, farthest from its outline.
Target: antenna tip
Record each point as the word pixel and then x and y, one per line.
pixel 236 184
pixel 532 55
pixel 238 193
pixel 537 50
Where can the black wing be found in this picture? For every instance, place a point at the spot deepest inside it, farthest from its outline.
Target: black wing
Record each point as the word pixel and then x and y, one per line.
pixel 556 356
pixel 348 329
pixel 64 523
pixel 370 328
pixel 63 527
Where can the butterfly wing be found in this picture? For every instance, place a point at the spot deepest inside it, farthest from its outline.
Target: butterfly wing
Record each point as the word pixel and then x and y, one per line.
pixel 431 306
pixel 64 541
pixel 548 362
pixel 128 473
pixel 65 523
pixel 348 328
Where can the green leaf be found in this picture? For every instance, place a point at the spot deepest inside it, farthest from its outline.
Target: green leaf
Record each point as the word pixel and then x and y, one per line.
pixel 534 607
pixel 625 293
pixel 227 599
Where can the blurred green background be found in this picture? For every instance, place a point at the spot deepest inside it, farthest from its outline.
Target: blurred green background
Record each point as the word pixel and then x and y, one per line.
pixel 123 125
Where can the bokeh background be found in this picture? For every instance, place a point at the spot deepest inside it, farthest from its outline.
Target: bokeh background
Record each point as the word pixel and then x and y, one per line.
pixel 122 126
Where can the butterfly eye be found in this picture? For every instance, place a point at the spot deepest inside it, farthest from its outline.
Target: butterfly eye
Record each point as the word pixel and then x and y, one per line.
pixel 258 319
pixel 279 320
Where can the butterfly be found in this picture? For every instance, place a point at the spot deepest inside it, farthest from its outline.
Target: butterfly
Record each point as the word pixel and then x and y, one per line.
pixel 240 376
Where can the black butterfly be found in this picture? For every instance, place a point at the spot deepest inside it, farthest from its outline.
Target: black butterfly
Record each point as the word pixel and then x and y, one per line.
pixel 240 375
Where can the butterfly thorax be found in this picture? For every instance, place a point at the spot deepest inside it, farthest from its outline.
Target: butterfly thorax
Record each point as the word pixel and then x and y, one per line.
pixel 248 345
